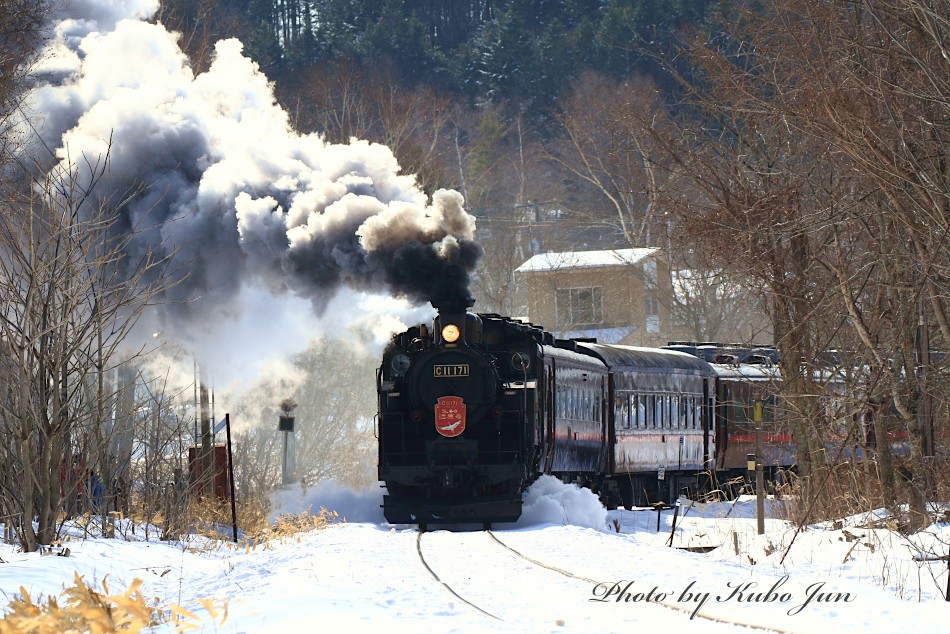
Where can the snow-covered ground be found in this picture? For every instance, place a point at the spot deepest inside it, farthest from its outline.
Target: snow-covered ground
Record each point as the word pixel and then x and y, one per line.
pixel 563 568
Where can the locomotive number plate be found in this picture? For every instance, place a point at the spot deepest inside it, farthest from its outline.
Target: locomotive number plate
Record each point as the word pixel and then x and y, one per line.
pixel 455 369
pixel 450 416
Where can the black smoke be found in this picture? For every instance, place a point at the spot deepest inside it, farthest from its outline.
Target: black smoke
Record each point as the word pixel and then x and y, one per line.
pixel 207 171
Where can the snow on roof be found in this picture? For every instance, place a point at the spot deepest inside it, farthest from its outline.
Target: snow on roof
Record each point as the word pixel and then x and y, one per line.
pixel 602 335
pixel 584 259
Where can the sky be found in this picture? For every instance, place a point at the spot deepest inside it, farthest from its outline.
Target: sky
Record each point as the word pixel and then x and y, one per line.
pixel 567 566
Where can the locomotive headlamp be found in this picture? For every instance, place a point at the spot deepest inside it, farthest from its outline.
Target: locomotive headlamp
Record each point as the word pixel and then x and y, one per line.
pixel 450 333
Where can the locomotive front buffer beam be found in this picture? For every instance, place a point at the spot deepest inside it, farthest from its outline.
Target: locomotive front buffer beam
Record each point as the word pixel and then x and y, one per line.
pixel 420 510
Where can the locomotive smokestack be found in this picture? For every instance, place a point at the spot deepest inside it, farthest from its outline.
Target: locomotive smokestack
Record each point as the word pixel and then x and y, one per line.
pixel 454 324
pixel 457 304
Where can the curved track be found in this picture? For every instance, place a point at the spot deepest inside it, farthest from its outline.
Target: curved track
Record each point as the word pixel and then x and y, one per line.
pixel 491 577
pixel 444 584
pixel 665 604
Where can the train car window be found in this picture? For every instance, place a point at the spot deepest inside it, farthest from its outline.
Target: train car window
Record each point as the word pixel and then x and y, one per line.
pixel 675 410
pixel 641 412
pixel 741 411
pixel 658 409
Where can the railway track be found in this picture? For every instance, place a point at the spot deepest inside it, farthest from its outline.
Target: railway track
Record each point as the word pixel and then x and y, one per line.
pixel 457 588
pixel 445 585
pixel 458 580
pixel 665 604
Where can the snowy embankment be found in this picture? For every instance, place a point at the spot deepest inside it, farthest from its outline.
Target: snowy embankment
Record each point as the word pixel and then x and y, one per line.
pixel 855 574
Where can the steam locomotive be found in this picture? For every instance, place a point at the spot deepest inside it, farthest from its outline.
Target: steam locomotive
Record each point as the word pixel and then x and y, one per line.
pixel 475 409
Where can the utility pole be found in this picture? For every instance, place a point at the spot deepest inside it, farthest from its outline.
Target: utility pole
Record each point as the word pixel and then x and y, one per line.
pixel 924 408
pixel 207 458
pixel 759 476
pixel 285 425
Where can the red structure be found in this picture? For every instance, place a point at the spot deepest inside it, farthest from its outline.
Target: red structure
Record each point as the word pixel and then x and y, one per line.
pixel 220 485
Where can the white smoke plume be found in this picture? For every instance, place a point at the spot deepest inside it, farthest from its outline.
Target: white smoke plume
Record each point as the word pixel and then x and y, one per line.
pixel 226 186
pixel 550 501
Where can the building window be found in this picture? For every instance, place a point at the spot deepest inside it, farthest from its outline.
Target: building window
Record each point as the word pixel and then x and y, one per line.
pixel 652 313
pixel 649 274
pixel 580 306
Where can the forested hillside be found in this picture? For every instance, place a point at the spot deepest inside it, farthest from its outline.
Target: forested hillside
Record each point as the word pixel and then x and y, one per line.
pixel 523 52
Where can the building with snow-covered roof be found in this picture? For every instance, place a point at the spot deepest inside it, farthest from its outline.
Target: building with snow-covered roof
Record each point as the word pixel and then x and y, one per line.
pixel 613 295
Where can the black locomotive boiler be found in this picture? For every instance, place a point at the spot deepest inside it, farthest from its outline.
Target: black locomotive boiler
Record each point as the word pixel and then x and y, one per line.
pixel 474 409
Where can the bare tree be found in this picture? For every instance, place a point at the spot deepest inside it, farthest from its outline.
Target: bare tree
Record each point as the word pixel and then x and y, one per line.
pixel 21 41
pixel 610 143
pixel 823 153
pixel 343 102
pixel 70 296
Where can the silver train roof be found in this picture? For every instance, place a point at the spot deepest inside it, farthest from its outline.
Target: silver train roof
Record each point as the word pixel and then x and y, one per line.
pixel 646 359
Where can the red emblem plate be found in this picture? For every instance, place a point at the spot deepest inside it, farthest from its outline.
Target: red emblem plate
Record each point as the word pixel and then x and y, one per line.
pixel 450 416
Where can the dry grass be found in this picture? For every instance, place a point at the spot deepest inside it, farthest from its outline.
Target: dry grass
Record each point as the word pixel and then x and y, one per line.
pixel 291 524
pixel 80 608
pixel 853 488
pixel 212 520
